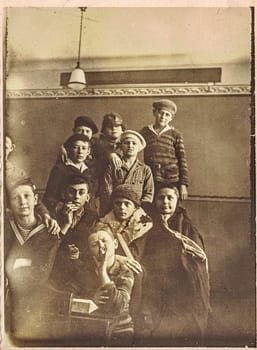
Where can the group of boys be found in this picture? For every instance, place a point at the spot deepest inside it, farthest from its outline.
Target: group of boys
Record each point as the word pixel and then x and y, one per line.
pixel 103 245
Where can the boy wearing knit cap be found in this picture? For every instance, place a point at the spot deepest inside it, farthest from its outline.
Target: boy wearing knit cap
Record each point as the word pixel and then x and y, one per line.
pixel 132 171
pixel 129 223
pixel 164 151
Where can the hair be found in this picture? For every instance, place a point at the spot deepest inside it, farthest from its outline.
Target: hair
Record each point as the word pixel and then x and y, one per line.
pixel 76 180
pixel 166 185
pixel 103 228
pixel 20 182
pixel 9 137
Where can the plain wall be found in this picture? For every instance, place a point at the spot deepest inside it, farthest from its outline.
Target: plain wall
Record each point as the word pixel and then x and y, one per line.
pixel 230 247
pixel 216 131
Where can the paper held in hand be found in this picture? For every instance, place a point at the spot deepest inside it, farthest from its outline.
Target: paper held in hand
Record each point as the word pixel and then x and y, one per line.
pixel 82 306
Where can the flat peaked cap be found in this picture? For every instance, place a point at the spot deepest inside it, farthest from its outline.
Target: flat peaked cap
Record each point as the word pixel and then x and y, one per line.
pixel 135 135
pixel 166 104
pixel 127 191
pixel 75 137
pixel 85 121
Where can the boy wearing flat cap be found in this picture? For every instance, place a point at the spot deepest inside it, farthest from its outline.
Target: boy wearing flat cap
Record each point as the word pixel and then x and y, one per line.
pixel 164 151
pixel 132 171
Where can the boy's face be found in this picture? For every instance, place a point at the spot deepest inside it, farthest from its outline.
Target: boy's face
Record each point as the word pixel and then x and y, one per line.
pixel 22 201
pixel 78 194
pixel 113 132
pixel 123 208
pixel 166 201
pixel 130 147
pixel 79 151
pixel 9 147
pixel 85 130
pixel 162 117
pixel 101 243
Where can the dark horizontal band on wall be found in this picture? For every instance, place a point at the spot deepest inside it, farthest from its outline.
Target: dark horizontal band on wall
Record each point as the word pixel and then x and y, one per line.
pixel 133 91
pixel 151 76
pixel 200 198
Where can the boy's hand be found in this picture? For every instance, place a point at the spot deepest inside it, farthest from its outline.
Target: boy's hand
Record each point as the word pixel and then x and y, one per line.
pixel 51 224
pixel 183 192
pixel 101 297
pixel 101 261
pixel 68 210
pixel 73 252
pixel 134 266
pixel 115 160
pixel 101 266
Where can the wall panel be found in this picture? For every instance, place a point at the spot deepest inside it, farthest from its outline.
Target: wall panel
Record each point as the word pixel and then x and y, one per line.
pixel 216 131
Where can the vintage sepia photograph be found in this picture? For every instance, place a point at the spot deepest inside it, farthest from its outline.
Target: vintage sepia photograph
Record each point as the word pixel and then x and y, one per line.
pixel 128 168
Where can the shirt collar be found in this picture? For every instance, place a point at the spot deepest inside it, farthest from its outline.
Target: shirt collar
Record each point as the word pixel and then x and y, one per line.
pixel 168 127
pixel 82 167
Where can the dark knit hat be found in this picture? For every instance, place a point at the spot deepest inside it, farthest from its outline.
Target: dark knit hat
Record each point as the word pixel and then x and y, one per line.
pixel 127 191
pixel 112 119
pixel 166 104
pixel 85 121
pixel 75 137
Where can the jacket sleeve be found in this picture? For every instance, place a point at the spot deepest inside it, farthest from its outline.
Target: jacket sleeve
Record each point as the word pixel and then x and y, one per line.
pixel 148 188
pixel 41 209
pixel 137 247
pixel 119 292
pixel 182 162
pixel 53 189
pixel 106 191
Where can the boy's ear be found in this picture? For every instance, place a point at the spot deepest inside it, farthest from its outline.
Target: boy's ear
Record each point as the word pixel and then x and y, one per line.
pixel 36 198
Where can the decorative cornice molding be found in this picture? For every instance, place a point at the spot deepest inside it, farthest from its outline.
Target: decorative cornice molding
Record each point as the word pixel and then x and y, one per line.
pixel 127 91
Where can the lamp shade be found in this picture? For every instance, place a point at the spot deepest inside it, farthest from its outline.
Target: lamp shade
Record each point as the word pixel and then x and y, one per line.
pixel 77 80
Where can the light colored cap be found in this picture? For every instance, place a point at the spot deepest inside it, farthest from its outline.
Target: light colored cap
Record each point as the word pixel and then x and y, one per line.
pixel 134 135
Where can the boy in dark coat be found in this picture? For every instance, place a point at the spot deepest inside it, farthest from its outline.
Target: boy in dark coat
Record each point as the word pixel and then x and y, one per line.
pixel 76 221
pixel 78 149
pixel 176 287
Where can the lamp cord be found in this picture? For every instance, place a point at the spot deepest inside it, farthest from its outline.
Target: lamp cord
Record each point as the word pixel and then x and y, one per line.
pixel 83 10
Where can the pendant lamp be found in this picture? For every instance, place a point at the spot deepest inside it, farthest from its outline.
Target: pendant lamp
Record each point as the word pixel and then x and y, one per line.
pixel 78 79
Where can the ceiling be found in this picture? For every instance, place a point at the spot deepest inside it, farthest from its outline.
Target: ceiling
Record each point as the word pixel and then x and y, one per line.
pixel 180 36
